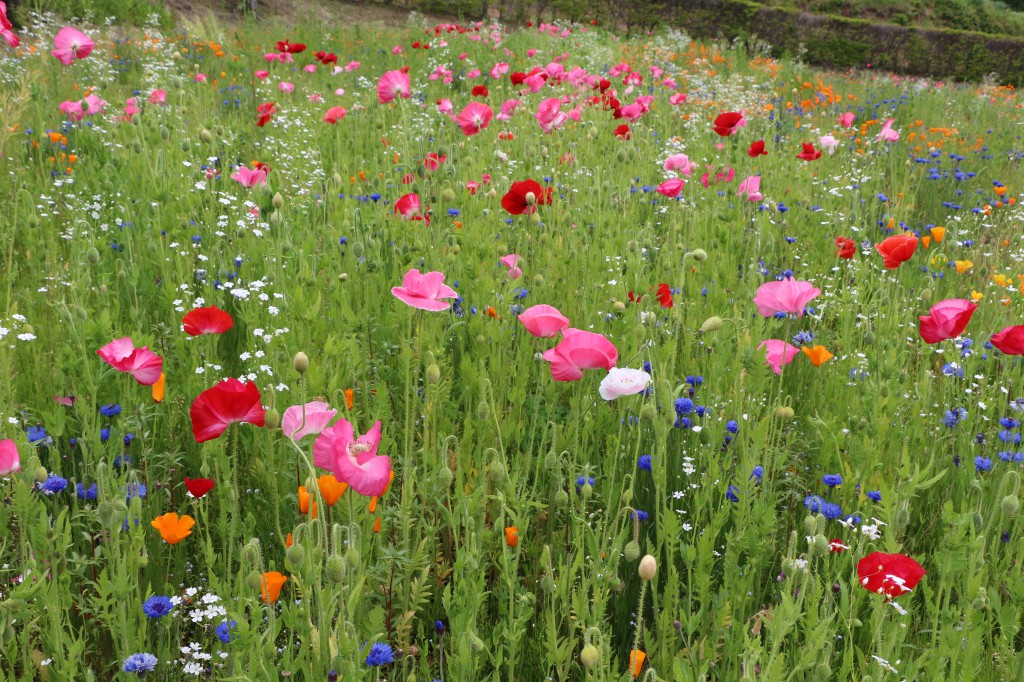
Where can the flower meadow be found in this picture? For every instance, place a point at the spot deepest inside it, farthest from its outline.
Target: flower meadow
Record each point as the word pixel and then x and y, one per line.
pixel 462 352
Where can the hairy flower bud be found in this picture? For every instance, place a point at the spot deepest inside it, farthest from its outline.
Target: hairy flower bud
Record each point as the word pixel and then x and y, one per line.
pixel 433 374
pixel 648 567
pixel 712 324
pixel 699 255
pixel 272 419
pixel 590 656
pixel 301 362
pixel 632 551
pixel 278 200
pixel 1010 505
pixel 336 568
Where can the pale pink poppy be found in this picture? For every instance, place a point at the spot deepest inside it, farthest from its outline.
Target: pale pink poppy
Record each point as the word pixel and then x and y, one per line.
pixel 352 66
pixel 786 296
pixel 887 134
pixel 828 143
pixel 354 460
pixel 543 321
pixel 623 381
pixel 473 75
pixel 531 52
pixel 158 96
pixel 335 114
pixel 632 112
pixel 94 105
pixel 424 291
pixel 474 117
pixel 143 364
pixel 511 262
pixel 679 162
pixel 846 119
pixel 535 82
pixel 548 115
pixel 580 350
pixel 397 49
pixel 298 421
pixel 286 87
pixel 249 177
pixel 670 83
pixel 670 188
pixel 339 92
pixel 71 44
pixel 309 68
pixel 10 462
pixel 778 353
pixel 393 84
pixel 131 108
pixel 316 98
pixel 751 187
pixel 499 69
pixel 200 78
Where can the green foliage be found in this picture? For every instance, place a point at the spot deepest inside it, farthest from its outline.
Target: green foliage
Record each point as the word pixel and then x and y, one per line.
pixel 128 12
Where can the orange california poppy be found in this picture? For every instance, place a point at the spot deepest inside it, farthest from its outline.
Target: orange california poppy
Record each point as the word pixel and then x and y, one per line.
pixel 270 586
pixel 511 536
pixel 304 502
pixel 158 388
pixel 172 528
pixel 350 398
pixel 818 355
pixel 376 525
pixel 331 489
pixel 288 541
pixel 636 661
pixel 963 266
pixel 938 233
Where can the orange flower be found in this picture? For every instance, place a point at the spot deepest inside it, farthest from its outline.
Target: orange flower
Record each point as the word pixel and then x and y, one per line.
pixel 331 489
pixel 636 661
pixel 511 536
pixel 270 586
pixel 288 542
pixel 999 190
pixel 158 388
pixel 350 398
pixel 926 241
pixel 963 266
pixel 173 529
pixel 372 507
pixel 376 525
pixel 304 501
pixel 818 355
pixel 938 233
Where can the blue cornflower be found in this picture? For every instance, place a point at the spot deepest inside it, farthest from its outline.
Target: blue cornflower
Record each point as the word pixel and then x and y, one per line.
pixel 140 664
pixel 585 480
pixel 832 480
pixel 123 461
pixel 875 495
pixel 951 369
pixel 683 406
pixel 1009 436
pixel 694 380
pixel 644 462
pixel 640 515
pixel 87 493
pixel 439 627
pixel 157 606
pixel 732 426
pixel 758 473
pixel 831 511
pixel 135 490
pixel 224 631
pixel 380 654
pixel 1009 423
pixel 520 294
pixel 730 494
pixel 803 338
pixel 111 410
pixel 647 367
pixel 813 503
pixel 683 423
pixel 128 438
pixel 982 463
pixel 104 434
pixel 36 433
pixel 53 485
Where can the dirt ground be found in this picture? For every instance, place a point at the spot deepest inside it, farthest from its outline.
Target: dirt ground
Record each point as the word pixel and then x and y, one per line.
pixel 292 11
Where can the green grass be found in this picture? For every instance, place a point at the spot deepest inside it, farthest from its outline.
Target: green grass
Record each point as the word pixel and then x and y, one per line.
pixel 132 234
pixel 984 16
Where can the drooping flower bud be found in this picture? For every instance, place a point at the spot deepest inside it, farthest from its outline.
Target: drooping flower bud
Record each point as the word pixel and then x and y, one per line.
pixel 590 656
pixel 712 324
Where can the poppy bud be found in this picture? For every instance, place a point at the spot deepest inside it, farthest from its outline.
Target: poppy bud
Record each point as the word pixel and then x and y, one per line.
pixel 627 497
pixel 648 567
pixel 336 178
pixel 547 583
pixel 445 477
pixel 483 411
pixel 590 656
pixel 105 512
pixel 164 133
pixel 456 249
pixel 352 557
pixel 561 499
pixel 411 677
pixel 336 568
pixel 586 491
pixel 254 580
pixel 980 602
pixel 492 193
pixel 138 148
pixel 300 362
pixel 857 622
pixel 632 551
pixel 820 546
pixel 41 474
pixel 925 294
pixel 251 553
pixel 343 277
pixel 496 472
pixel 92 255
pixel 712 324
pixel 869 337
pixel 823 672
pixel 978 519
pixel 316 555
pixel 433 374
pixel 902 516
pixel 1010 505
pixel 448 194
pixel 275 218
pixel 619 307
pixel 294 556
pixel 592 133
pixel 205 135
pixel 278 200
pixel 475 643
pixel 272 419
pixel 699 255
pixel 784 412
pixel 185 146
pixel 810 524
pixel 648 412
pixel 535 219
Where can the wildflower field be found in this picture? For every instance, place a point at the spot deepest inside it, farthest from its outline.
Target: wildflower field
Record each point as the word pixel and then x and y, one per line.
pixel 458 352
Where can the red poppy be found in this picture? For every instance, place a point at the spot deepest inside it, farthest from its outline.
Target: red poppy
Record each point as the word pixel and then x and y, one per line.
pixel 836 545
pixel 603 85
pixel 433 160
pixel 756 149
pixel 665 296
pixel 259 165
pixel 889 574
pixel 291 48
pixel 622 132
pixel 517 77
pixel 845 247
pixel 897 249
pixel 729 123
pixel 228 402
pixel 266 112
pixel 198 487
pixel 634 298
pixel 210 320
pixel 946 320
pixel 479 91
pixel 524 196
pixel 326 58
pixel 809 153
pixel 1010 340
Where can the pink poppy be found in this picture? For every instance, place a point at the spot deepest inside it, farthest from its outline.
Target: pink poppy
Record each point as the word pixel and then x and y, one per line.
pixel 621 381
pixel 946 319
pixel 670 188
pixel 354 460
pixel 10 462
pixel 444 106
pixel 286 87
pixel 474 117
pixel 543 321
pixel 511 262
pixel 424 291
pixel 158 96
pixel 131 108
pixel 778 353
pixel 580 350
pixel 751 187
pixel 508 107
pixel 352 66
pixel 249 177
pixel 226 403
pixel 6 26
pixel 261 74
pixel 73 110
pixel 887 134
pixel 677 99
pixel 143 364
pixel 393 84
pixel 787 296
pixel 408 206
pixel 71 44
pixel 679 162
pixel 828 143
pixel 335 114
pixel 846 120
pixel 499 69
pixel 299 421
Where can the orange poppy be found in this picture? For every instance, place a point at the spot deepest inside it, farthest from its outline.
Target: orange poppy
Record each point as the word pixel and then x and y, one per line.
pixel 818 355
pixel 158 388
pixel 304 502
pixel 376 525
pixel 331 489
pixel 963 266
pixel 288 541
pixel 350 398
pixel 636 661
pixel 938 233
pixel 270 586
pixel 172 528
pixel 511 536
